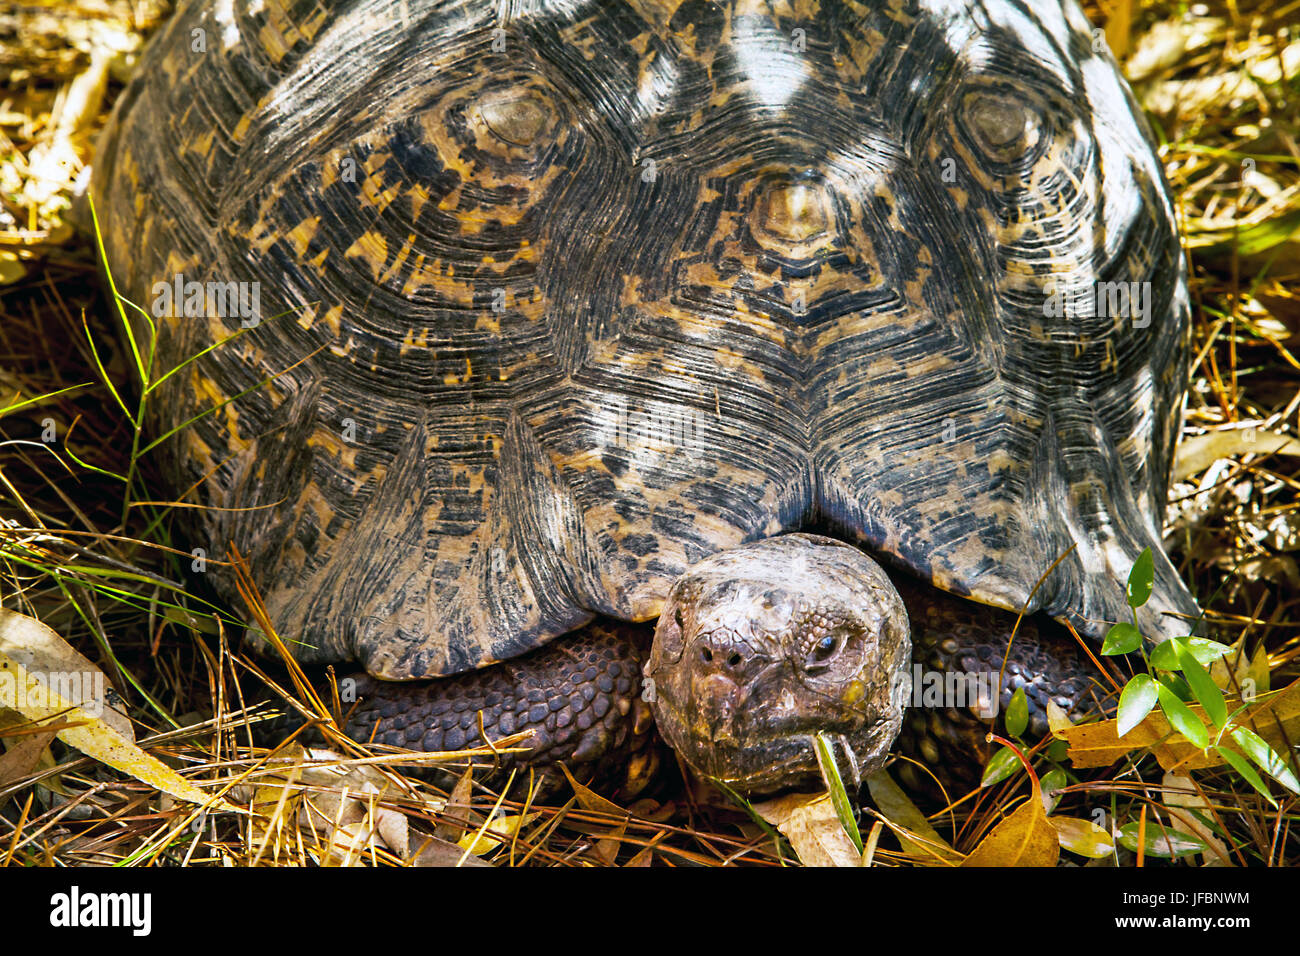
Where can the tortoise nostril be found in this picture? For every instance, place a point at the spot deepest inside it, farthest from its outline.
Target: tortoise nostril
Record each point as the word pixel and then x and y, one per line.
pixel 724 653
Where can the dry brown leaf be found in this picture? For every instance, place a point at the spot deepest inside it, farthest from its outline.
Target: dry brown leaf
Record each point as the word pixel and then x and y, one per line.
pixel 22 755
pixel 1181 794
pixel 430 851
pixel 607 847
pixel 1199 452
pixel 588 799
pixel 458 806
pixel 643 858
pixel 809 822
pixel 931 849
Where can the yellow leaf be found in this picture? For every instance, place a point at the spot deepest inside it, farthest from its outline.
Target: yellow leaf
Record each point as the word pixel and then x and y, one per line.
pixel 1057 719
pixel 1082 837
pixel 1023 838
pixel 61 668
pixel 37 693
pixel 504 828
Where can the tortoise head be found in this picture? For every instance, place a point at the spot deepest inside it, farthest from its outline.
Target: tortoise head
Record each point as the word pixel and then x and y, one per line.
pixel 762 647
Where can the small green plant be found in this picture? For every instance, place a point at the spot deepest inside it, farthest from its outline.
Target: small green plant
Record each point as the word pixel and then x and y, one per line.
pixel 1176 677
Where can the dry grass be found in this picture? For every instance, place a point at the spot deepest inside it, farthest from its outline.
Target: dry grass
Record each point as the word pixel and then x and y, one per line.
pixel 1221 82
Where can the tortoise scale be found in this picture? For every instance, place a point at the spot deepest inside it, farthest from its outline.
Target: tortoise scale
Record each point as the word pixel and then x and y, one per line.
pixel 556 301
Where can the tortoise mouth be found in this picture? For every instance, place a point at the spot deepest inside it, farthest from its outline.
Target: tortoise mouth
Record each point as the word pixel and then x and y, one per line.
pixel 784 763
pixel 789 761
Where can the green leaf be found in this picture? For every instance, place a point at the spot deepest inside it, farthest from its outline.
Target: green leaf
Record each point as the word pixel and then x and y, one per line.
pixel 1203 687
pixel 1001 765
pixel 1083 837
pixel 1123 638
pixel 1135 702
pixel 1258 750
pixel 834 784
pixel 1160 841
pixel 1054 779
pixel 1017 713
pixel 1165 654
pixel 1140 578
pixel 1205 650
pixel 1243 767
pixel 1058 750
pixel 1174 681
pixel 1182 718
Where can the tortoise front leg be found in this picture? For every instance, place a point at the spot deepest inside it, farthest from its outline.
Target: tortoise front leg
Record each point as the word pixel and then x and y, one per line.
pixel 580 697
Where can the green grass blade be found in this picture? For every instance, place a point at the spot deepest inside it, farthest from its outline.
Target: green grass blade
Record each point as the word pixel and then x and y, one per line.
pixel 840 799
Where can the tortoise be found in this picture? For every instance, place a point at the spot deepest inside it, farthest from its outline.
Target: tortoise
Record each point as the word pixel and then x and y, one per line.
pixel 812 331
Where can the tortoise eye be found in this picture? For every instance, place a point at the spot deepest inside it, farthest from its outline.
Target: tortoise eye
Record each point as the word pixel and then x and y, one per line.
pixel 822 652
pixel 1004 127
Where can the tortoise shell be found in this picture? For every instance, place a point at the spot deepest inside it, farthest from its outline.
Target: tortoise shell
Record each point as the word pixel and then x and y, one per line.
pixel 541 303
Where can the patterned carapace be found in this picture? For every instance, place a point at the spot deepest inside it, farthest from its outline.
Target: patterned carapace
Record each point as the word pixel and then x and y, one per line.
pixel 557 297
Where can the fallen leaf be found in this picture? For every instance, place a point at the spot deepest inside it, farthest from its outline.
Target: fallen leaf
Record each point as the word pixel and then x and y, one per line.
pixel 889 798
pixel 643 858
pixel 458 807
pixel 1057 720
pixel 497 832
pixel 816 835
pixel 432 851
pixel 588 799
pixel 37 693
pixel 1199 452
pixel 1082 837
pixel 1275 718
pixel 61 668
pixel 607 847
pixel 1180 794
pixel 1024 837
pixel 22 756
